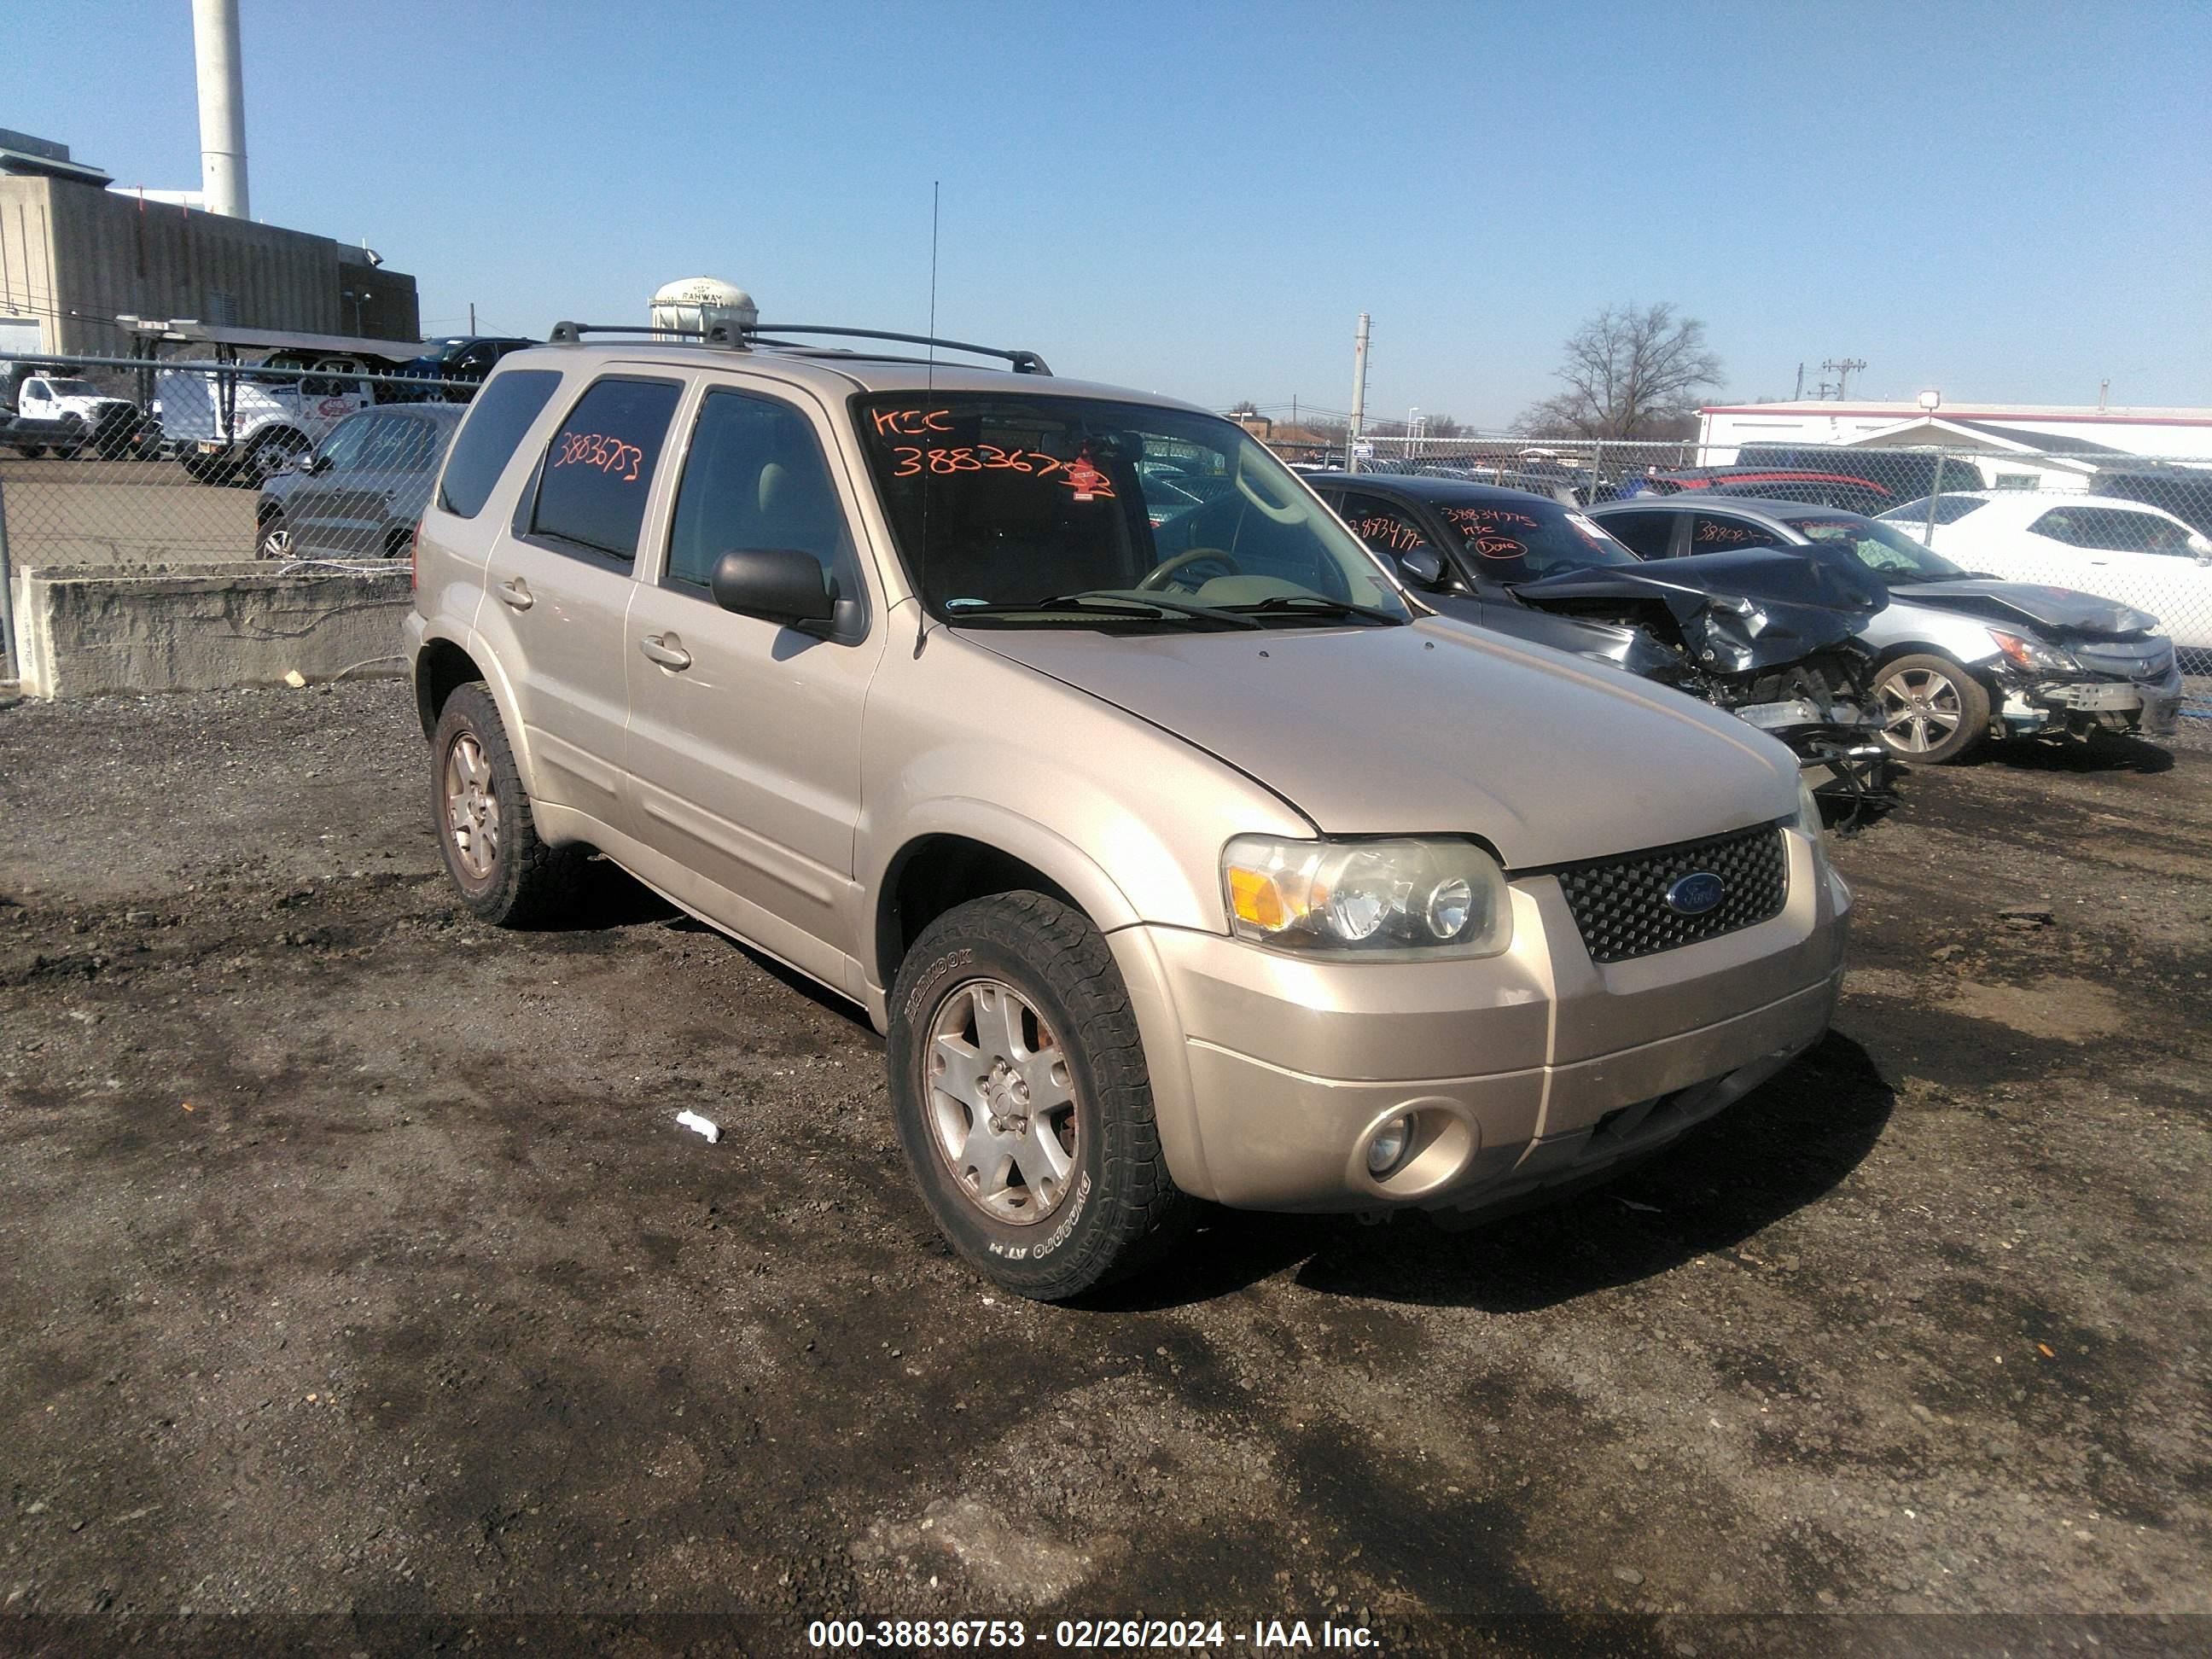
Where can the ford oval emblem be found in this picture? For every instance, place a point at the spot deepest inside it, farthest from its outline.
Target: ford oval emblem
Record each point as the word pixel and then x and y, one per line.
pixel 1696 893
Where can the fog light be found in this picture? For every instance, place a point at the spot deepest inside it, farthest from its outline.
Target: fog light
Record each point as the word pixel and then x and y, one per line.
pixel 1387 1150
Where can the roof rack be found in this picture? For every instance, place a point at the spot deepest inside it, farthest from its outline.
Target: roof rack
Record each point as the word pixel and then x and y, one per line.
pixel 721 334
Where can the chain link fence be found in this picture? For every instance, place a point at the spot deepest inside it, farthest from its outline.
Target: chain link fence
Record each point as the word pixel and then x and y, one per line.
pixel 130 465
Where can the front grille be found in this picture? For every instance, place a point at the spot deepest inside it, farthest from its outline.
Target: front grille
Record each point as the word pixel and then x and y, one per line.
pixel 1621 905
pixel 2126 662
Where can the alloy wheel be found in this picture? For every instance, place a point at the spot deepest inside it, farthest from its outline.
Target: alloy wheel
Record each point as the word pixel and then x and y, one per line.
pixel 472 806
pixel 1920 710
pixel 1002 1109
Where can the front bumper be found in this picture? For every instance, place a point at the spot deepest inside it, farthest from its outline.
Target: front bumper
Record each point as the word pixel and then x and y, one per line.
pixel 2151 705
pixel 1270 1072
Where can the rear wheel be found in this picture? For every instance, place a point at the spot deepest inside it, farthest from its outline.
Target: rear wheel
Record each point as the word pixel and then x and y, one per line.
pixel 1932 709
pixel 1019 1088
pixel 507 874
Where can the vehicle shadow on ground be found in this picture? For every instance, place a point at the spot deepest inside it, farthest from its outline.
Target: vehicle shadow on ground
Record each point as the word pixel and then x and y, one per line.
pixel 1777 1151
pixel 2106 752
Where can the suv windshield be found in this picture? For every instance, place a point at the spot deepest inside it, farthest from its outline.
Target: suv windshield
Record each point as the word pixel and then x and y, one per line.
pixel 1890 554
pixel 1037 512
pixel 1520 541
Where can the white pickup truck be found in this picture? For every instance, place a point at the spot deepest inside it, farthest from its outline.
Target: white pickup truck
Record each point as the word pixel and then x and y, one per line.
pixel 240 425
pixel 67 415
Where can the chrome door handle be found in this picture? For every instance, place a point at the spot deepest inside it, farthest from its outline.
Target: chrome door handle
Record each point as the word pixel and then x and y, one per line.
pixel 518 594
pixel 666 649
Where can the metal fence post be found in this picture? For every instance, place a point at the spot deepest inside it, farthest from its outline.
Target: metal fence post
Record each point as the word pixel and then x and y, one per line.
pixel 10 668
pixel 1597 472
pixel 1935 489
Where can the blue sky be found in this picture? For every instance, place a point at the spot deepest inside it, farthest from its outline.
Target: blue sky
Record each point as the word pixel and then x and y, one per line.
pixel 2007 202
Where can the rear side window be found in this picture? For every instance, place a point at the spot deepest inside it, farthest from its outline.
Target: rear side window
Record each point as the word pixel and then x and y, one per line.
pixel 498 419
pixel 598 468
pixel 1716 533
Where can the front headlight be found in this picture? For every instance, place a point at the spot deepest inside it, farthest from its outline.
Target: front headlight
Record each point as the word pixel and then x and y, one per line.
pixel 2034 655
pixel 1391 900
pixel 1809 812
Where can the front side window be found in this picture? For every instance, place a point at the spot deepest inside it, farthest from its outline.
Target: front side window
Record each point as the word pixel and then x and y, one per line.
pixel 1523 538
pixel 1647 535
pixel 598 468
pixel 341 450
pixel 755 477
pixel 1035 511
pixel 2120 530
pixel 497 418
pixel 2062 524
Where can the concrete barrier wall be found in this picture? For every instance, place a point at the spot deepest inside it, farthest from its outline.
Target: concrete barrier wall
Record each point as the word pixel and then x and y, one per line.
pixel 85 629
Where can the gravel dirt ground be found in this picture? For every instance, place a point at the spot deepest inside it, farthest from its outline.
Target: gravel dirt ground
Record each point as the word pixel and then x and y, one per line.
pixel 356 1271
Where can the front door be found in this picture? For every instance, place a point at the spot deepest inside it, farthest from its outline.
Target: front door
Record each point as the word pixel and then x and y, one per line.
pixel 559 586
pixel 744 734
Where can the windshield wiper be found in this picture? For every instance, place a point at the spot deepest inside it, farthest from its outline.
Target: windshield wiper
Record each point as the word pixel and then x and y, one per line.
pixel 1139 611
pixel 1313 604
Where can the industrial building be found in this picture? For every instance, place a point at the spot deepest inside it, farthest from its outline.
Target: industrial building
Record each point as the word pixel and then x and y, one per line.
pixel 75 254
pixel 2035 438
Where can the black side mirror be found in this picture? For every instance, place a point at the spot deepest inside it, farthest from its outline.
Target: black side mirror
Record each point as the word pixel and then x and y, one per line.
pixel 315 466
pixel 774 583
pixel 1421 566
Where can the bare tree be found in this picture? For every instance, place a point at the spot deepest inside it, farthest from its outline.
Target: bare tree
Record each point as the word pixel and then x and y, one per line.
pixel 1631 371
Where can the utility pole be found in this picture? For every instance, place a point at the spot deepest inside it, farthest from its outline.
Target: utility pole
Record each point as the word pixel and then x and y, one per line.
pixel 1845 368
pixel 1798 396
pixel 1358 395
pixel 472 316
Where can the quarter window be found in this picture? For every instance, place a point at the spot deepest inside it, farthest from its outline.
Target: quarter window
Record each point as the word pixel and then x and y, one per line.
pixel 755 477
pixel 599 469
pixel 497 418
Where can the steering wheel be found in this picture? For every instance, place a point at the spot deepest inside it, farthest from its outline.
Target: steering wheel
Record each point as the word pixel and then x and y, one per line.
pixel 1161 575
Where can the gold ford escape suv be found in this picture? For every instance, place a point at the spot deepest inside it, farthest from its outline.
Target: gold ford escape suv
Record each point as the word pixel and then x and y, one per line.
pixel 1178 853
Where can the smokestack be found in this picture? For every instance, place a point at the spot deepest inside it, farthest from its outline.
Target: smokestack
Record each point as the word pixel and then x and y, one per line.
pixel 223 108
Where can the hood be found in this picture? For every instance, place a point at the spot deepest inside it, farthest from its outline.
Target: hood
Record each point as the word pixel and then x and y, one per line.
pixel 2053 610
pixel 1738 611
pixel 1435 729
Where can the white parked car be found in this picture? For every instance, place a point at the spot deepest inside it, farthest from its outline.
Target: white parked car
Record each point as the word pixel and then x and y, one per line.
pixel 2121 549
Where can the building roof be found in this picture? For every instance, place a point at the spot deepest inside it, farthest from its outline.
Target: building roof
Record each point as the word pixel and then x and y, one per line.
pixel 2118 414
pixel 21 154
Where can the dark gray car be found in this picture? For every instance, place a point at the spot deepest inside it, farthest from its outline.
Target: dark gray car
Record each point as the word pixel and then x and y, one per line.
pixel 1747 632
pixel 358 494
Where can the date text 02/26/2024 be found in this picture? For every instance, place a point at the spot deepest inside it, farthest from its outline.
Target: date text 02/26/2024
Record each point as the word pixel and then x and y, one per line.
pixel 1095 1635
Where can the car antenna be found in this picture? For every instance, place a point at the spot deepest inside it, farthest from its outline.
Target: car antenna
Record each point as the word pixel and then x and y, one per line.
pixel 929 395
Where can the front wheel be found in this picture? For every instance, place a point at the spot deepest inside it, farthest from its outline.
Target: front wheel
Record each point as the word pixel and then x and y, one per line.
pixel 275 541
pixel 1932 709
pixel 1022 1099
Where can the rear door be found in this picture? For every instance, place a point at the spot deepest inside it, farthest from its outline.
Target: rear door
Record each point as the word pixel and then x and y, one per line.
pixel 558 586
pixel 744 735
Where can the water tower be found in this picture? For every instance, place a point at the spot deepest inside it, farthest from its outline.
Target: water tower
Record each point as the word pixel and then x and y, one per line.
pixel 696 305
